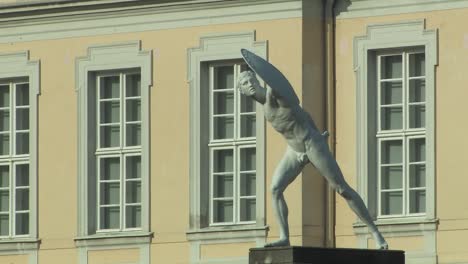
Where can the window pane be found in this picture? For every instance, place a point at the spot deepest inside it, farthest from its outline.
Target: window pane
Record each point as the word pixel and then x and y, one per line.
pixel 417 175
pixel 223 211
pixel 22 223
pixel 133 216
pixel 247 209
pixel 417 91
pixel 4 200
pixel 247 159
pixel 4 225
pixel 4 120
pixel 417 116
pixel 392 177
pixel 417 64
pixel 133 167
pixel 392 151
pixel 110 136
pixel 223 186
pixel 110 193
pixel 22 119
pixel 224 77
pixel 417 201
pixel 248 184
pixel 4 176
pixel 4 144
pixel 133 135
pixel 223 160
pixel 223 127
pixel 22 94
pixel 392 203
pixel 133 85
pixel 133 110
pixel 247 104
pixel 392 118
pixel 22 175
pixel 4 95
pixel 110 87
pixel 110 168
pixel 133 192
pixel 22 143
pixel 22 199
pixel 110 217
pixel 391 67
pixel 110 112
pixel 223 103
pixel 391 93
pixel 417 149
pixel 248 125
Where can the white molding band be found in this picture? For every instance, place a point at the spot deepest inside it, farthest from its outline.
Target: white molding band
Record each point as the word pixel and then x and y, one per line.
pixel 19 65
pixel 149 18
pixel 219 47
pixel 369 8
pixel 114 56
pixel 405 34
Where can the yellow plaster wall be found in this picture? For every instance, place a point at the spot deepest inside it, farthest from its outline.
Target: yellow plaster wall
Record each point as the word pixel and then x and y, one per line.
pixel 169 113
pixel 451 130
pixel 217 251
pixel 114 256
pixel 14 259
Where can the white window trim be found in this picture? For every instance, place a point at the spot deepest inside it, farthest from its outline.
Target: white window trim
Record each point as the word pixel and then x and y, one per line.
pixel 116 57
pixel 19 65
pixel 218 48
pixel 406 34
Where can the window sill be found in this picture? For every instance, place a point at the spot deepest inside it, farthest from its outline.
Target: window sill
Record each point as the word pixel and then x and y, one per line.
pixel 113 239
pixel 399 225
pixel 227 232
pixel 15 244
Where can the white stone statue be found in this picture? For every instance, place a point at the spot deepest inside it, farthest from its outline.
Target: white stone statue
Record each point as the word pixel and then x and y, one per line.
pixel 305 145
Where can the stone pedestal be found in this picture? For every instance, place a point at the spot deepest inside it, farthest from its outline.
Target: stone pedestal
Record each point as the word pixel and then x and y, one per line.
pixel 311 255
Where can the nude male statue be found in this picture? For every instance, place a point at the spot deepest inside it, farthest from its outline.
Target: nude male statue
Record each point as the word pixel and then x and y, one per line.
pixel 305 145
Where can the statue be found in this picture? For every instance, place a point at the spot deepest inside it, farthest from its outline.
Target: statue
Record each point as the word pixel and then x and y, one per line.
pixel 305 144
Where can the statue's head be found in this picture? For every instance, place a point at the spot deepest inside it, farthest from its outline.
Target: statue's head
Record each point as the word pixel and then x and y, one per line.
pixel 248 83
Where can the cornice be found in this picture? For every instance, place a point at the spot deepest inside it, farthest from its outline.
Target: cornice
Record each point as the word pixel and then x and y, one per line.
pixel 369 8
pixel 142 15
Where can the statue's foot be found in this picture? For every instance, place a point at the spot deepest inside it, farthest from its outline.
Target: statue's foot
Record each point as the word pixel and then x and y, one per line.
pixel 380 242
pixel 284 242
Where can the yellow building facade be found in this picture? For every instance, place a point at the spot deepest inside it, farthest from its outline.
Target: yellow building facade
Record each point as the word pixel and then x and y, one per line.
pixel 124 140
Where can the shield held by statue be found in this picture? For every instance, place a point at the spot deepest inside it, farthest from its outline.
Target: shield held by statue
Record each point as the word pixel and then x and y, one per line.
pixel 272 77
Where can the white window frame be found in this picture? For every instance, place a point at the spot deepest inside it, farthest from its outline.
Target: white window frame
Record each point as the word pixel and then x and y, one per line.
pixel 18 66
pixel 13 159
pixel 404 134
pixel 121 152
pixel 115 57
pixel 399 35
pixel 235 144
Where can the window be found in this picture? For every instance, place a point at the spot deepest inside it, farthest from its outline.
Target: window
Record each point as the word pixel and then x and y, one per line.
pixel 232 147
pixel 118 153
pixel 227 146
pixel 14 158
pixel 395 87
pixel 113 85
pixel 401 133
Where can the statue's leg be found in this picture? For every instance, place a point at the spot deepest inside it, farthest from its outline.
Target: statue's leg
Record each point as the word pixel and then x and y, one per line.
pixel 322 159
pixel 286 171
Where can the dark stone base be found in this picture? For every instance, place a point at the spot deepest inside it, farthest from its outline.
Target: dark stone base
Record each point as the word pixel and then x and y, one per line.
pixel 311 255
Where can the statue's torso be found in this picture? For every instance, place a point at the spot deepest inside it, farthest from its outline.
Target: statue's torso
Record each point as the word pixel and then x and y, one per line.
pixel 292 123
